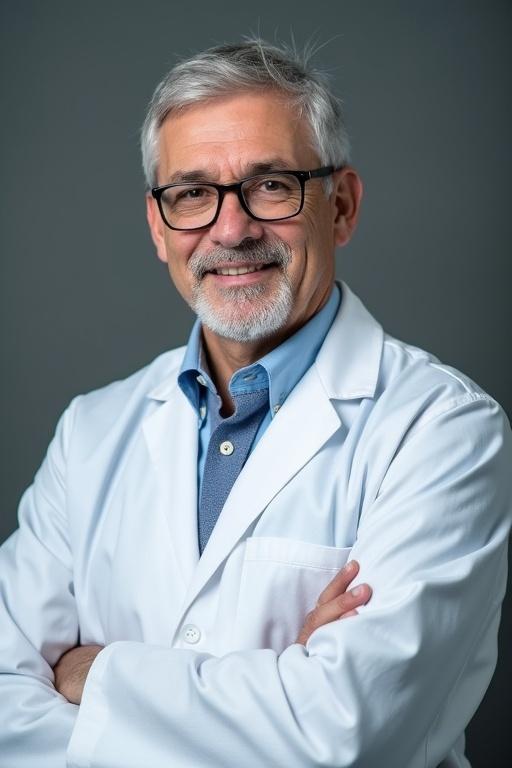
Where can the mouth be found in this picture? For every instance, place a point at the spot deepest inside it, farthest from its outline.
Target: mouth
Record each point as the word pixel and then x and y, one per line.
pixel 233 275
pixel 243 269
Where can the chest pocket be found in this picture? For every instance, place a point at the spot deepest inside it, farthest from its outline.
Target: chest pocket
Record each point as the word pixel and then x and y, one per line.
pixel 281 582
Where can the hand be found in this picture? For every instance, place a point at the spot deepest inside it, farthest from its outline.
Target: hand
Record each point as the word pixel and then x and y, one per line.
pixel 335 602
pixel 72 669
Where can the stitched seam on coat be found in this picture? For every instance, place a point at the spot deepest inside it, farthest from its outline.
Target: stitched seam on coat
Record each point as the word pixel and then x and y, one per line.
pixel 293 563
pixel 437 365
pixel 450 407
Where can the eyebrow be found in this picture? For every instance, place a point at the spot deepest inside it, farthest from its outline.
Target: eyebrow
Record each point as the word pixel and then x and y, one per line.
pixel 275 164
pixel 186 176
pixel 254 169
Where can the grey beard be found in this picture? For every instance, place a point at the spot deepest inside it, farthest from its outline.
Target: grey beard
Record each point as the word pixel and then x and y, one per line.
pixel 252 311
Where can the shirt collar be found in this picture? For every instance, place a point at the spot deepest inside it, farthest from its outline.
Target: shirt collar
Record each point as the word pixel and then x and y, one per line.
pixel 279 370
pixel 193 371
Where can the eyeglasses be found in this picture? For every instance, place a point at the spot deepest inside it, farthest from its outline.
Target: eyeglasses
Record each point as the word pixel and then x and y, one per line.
pixel 268 197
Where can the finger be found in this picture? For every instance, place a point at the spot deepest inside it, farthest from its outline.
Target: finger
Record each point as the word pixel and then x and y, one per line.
pixel 340 582
pixel 341 606
pixel 349 613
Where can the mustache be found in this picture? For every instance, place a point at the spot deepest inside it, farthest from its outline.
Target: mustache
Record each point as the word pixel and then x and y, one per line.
pixel 250 252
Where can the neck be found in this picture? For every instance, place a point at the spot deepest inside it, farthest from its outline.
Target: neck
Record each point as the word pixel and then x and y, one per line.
pixel 225 356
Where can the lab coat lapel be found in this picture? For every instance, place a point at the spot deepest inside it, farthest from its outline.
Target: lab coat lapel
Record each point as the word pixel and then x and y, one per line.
pixel 295 434
pixel 305 422
pixel 171 435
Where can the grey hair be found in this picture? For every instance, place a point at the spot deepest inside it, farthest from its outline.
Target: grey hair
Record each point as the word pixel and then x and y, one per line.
pixel 225 70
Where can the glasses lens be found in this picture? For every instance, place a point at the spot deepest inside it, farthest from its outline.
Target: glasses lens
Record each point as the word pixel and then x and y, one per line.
pixel 275 196
pixel 187 206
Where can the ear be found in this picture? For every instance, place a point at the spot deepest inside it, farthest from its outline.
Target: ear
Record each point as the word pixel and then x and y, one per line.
pixel 346 196
pixel 156 227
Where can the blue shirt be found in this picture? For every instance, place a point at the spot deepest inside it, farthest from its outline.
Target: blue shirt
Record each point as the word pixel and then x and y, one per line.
pixel 279 371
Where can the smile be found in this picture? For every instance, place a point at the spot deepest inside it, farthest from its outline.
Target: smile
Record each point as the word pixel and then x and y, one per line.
pixel 238 270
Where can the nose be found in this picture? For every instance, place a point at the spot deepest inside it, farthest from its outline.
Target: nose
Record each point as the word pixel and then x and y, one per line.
pixel 233 224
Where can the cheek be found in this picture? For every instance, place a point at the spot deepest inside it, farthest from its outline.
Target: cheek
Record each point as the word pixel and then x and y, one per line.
pixel 313 242
pixel 318 215
pixel 179 248
pixel 321 231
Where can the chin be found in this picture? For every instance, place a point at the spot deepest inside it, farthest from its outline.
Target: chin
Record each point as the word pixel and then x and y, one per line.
pixel 245 313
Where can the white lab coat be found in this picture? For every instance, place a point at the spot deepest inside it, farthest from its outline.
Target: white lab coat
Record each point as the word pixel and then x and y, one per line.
pixel 380 454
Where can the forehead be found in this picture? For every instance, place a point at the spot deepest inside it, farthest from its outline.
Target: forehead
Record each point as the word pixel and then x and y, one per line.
pixel 225 137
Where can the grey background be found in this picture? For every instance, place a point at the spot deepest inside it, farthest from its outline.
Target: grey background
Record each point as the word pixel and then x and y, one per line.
pixel 85 301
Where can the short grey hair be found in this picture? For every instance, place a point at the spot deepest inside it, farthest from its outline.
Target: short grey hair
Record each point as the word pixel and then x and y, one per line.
pixel 252 65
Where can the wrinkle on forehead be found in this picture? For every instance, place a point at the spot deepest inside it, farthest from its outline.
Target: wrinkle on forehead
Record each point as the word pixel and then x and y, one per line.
pixel 228 137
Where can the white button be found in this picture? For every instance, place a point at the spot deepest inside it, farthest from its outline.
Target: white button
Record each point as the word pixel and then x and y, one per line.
pixel 226 448
pixel 191 634
pixel 276 408
pixel 201 379
pixel 202 411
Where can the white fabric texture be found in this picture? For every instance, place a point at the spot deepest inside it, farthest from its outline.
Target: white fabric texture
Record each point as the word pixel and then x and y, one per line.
pixel 380 454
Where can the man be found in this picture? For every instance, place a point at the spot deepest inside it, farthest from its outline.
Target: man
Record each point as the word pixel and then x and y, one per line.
pixel 159 597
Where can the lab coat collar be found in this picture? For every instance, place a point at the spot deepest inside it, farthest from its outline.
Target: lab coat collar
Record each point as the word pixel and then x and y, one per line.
pixel 165 389
pixel 348 362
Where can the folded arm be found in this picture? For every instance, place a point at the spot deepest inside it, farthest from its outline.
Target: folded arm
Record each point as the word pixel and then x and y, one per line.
pixel 336 601
pixel 39 624
pixel 395 685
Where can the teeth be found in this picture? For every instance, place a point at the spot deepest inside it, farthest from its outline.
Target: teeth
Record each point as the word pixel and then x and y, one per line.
pixel 238 270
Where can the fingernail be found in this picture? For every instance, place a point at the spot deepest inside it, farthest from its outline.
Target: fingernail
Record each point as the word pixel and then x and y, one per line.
pixel 350 565
pixel 357 591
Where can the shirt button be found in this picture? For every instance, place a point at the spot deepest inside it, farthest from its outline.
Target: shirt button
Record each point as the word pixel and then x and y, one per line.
pixel 201 379
pixel 276 408
pixel 226 448
pixel 191 634
pixel 202 411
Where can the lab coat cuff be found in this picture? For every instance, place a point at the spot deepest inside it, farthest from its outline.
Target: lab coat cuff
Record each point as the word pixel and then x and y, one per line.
pixel 92 714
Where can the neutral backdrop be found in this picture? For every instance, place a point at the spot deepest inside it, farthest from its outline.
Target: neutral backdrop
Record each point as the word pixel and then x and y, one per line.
pixel 84 300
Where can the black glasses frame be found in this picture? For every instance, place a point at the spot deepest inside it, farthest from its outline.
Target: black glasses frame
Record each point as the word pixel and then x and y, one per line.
pixel 302 177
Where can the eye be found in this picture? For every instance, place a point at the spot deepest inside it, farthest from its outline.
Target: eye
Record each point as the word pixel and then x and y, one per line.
pixel 272 185
pixel 189 196
pixel 192 193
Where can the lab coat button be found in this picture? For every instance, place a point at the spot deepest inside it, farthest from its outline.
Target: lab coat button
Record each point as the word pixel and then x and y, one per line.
pixel 226 448
pixel 191 634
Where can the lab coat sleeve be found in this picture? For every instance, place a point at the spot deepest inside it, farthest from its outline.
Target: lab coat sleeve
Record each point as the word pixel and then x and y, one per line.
pixel 393 686
pixel 38 621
